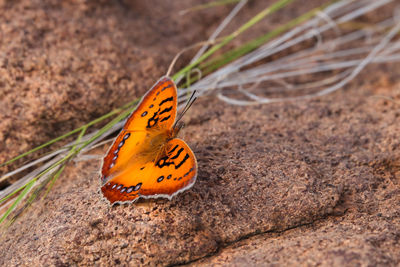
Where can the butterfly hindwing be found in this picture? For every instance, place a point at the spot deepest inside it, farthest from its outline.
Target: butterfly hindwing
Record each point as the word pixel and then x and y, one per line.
pixel 157 108
pixel 173 172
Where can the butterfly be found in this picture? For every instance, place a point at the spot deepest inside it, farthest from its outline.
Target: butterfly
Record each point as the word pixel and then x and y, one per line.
pixel 147 159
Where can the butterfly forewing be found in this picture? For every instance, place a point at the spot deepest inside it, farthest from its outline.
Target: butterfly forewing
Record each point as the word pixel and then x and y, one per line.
pixel 155 113
pixel 157 108
pixel 125 150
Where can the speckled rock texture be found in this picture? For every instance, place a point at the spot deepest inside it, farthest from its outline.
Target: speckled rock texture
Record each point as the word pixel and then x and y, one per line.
pixel 308 183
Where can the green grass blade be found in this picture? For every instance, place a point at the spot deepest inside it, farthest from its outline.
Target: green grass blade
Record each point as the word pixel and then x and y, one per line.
pixel 59 171
pixel 212 65
pixel 30 184
pixel 108 126
pixel 41 146
pixel 18 200
pixel 106 116
pixel 269 10
pixel 11 194
pixel 53 180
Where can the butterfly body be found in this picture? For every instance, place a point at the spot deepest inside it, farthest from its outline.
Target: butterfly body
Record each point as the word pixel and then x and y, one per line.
pixel 146 159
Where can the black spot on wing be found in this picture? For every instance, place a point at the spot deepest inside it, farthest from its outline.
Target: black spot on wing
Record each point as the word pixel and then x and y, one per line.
pixel 137 187
pixel 167 161
pixel 166 100
pixel 166 118
pixel 153 120
pixel 166 110
pixel 173 149
pixel 127 136
pixel 121 143
pixel 165 87
pixel 164 161
pixel 183 161
pixel 177 154
pixel 189 171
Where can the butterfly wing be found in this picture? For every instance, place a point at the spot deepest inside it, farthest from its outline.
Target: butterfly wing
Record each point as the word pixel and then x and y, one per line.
pixel 155 113
pixel 157 108
pixel 122 152
pixel 172 173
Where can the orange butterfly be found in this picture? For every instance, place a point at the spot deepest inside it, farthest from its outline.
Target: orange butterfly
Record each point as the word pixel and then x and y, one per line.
pixel 146 159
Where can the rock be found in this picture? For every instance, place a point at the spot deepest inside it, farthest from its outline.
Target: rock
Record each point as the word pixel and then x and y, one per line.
pixel 314 182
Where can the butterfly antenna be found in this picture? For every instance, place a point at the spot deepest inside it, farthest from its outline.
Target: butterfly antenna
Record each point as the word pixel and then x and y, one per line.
pixel 189 103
